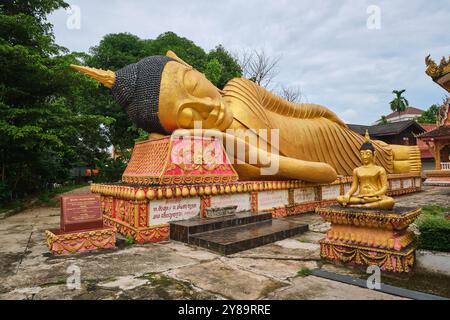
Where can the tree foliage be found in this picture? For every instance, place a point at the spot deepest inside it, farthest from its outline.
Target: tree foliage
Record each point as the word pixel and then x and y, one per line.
pixel 46 123
pixel 399 103
pixel 383 120
pixel 230 68
pixel 430 115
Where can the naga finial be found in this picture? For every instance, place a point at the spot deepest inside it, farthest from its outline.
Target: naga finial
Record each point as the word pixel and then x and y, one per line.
pixel 105 77
pixel 432 67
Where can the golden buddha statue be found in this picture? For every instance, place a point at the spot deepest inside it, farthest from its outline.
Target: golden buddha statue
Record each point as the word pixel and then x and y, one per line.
pixel 163 93
pixel 370 180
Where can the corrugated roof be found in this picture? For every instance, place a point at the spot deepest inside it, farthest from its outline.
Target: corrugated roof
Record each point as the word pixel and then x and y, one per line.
pixel 386 129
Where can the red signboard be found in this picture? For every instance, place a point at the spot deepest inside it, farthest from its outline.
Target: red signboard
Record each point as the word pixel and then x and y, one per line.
pixel 80 213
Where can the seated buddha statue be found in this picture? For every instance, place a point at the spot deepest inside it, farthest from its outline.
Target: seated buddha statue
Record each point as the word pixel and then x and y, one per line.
pixel 162 94
pixel 370 183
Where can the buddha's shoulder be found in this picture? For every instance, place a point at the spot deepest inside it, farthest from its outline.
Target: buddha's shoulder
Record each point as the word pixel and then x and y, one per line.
pixel 240 83
pixel 380 169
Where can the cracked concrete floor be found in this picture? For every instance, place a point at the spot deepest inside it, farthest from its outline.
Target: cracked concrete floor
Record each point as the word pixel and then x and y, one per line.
pixel 166 270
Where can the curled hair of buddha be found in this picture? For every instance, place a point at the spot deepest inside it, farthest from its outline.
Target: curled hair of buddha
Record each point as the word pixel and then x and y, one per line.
pixel 367 146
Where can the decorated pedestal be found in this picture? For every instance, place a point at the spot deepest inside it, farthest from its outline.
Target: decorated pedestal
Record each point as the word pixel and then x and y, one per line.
pixel 81 227
pixel 370 237
pixel 59 242
pixel 144 212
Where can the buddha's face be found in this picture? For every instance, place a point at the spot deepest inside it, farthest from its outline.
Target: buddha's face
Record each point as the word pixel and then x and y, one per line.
pixel 186 96
pixel 366 157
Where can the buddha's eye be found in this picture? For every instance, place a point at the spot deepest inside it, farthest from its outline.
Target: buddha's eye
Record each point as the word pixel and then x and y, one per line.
pixel 191 81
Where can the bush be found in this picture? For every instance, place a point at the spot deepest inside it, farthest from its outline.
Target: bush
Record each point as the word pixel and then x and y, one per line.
pixel 434 234
pixel 111 170
pixel 5 193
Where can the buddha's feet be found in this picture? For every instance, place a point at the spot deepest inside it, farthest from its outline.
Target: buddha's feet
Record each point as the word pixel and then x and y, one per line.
pixel 406 159
pixel 385 203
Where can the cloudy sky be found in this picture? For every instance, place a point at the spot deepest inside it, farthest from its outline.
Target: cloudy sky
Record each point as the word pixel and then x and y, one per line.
pixel 325 46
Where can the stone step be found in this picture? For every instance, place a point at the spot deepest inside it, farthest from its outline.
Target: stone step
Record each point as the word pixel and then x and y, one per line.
pixel 181 230
pixel 235 239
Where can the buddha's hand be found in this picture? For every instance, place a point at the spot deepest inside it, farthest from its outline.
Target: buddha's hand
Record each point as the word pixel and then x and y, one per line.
pixel 345 199
pixel 371 198
pixel 207 112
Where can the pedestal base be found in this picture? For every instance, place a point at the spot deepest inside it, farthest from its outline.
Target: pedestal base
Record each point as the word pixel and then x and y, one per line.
pixel 140 235
pixel 370 237
pixel 60 242
pixel 437 178
pixel 387 260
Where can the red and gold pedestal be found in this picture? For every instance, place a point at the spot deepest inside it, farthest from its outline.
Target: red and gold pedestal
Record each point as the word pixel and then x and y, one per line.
pixel 370 237
pixel 144 212
pixel 60 242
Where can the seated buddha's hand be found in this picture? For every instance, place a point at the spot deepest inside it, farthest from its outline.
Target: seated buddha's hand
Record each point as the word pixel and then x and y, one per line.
pixel 345 199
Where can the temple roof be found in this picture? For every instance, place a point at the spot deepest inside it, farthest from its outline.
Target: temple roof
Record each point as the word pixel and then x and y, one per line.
pixel 386 129
pixel 438 132
pixel 409 110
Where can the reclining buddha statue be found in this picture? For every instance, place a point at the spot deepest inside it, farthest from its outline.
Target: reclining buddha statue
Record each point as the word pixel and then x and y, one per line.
pixel 162 94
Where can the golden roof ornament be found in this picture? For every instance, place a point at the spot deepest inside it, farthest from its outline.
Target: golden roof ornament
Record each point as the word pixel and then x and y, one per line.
pixel 434 70
pixel 367 136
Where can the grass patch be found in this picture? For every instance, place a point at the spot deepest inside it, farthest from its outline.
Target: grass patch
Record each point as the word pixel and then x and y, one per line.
pixel 304 272
pixel 434 233
pixel 434 211
pixel 129 240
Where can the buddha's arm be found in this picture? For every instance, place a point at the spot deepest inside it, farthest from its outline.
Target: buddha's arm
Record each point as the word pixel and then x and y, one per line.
pixel 275 165
pixel 384 183
pixel 354 186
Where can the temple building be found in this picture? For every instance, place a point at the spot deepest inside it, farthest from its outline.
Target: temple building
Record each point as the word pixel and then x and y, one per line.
pixel 410 113
pixel 438 140
pixel 402 133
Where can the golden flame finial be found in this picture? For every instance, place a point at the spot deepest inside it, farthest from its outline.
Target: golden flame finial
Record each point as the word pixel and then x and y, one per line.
pixel 105 77
pixel 367 136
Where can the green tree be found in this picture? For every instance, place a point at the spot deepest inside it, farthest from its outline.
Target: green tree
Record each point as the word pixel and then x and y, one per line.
pixel 45 123
pixel 213 71
pixel 230 67
pixel 383 120
pixel 184 48
pixel 399 103
pixel 115 51
pixel 430 115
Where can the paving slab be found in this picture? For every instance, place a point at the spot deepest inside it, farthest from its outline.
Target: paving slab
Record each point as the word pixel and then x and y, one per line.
pixel 312 237
pixel 288 249
pixel 278 269
pixel 314 288
pixel 227 280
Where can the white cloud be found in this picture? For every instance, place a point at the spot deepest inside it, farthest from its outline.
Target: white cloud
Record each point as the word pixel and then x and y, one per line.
pixel 325 46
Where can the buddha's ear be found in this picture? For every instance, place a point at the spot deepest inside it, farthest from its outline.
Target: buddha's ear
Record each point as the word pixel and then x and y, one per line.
pixel 172 55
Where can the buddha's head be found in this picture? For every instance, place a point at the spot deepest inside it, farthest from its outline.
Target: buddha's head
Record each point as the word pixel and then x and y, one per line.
pixel 163 93
pixel 367 151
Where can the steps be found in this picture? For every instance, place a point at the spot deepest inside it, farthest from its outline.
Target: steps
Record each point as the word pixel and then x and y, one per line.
pixel 228 235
